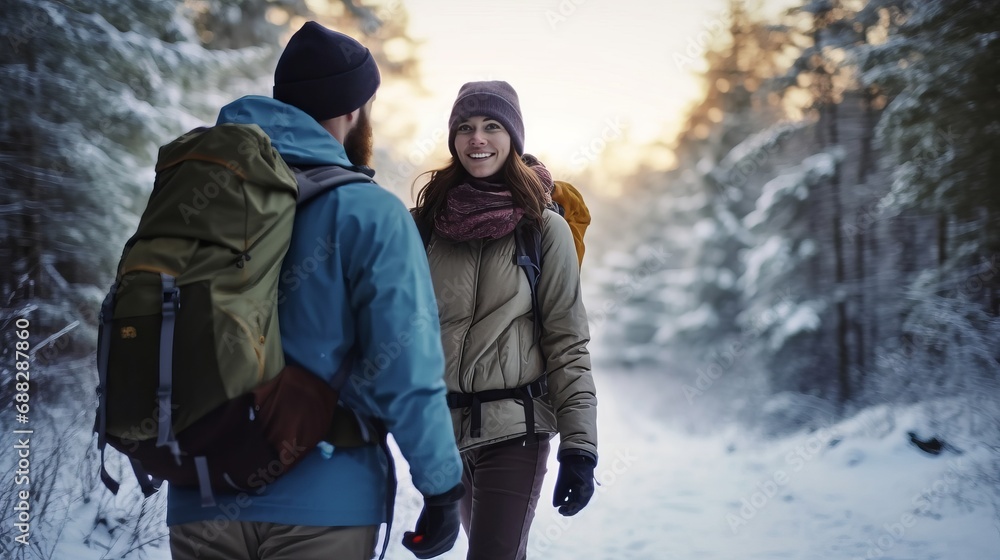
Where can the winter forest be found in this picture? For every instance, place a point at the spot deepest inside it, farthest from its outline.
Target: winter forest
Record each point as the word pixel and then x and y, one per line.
pixel 811 287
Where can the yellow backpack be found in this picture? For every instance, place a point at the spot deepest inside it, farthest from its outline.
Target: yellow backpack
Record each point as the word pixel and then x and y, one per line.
pixel 569 203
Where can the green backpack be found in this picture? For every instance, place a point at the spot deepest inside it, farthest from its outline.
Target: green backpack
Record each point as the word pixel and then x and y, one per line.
pixel 192 374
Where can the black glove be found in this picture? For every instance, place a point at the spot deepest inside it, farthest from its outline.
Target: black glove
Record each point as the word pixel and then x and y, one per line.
pixel 438 525
pixel 575 483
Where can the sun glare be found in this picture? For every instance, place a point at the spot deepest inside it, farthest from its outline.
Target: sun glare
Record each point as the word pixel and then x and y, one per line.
pixel 598 81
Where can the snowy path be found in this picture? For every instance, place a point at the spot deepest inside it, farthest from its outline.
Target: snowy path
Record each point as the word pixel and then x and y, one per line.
pixel 669 495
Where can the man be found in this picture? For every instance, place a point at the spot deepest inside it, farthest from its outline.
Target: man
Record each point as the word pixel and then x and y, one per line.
pixel 355 285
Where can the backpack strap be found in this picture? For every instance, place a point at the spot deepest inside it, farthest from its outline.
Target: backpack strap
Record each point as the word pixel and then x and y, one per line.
pixel 103 357
pixel 317 180
pixel 390 480
pixel 557 208
pixel 171 303
pixel 526 393
pixel 528 255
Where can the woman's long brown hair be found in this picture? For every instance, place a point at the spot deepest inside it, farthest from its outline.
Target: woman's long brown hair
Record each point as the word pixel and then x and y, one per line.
pixel 525 187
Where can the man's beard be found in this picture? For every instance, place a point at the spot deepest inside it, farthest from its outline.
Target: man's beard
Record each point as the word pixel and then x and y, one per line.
pixel 359 140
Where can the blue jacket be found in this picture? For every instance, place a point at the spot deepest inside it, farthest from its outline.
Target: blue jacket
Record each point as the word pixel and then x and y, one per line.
pixel 369 286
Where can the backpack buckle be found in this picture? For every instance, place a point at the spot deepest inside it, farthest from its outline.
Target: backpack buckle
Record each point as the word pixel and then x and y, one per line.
pixel 537 389
pixel 171 293
pixel 172 299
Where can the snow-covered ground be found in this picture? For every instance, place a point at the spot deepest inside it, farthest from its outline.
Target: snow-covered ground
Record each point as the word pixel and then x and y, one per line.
pixel 666 494
pixel 856 490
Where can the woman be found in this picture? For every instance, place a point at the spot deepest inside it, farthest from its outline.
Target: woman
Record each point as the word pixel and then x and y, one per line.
pixel 511 387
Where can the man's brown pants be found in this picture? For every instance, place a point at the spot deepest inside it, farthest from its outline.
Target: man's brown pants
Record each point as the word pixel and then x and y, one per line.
pixel 234 540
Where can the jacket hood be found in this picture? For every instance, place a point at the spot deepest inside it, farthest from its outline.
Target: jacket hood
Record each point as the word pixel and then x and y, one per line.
pixel 299 139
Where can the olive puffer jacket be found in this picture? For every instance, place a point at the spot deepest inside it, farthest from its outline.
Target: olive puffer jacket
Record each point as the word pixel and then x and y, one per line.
pixel 484 305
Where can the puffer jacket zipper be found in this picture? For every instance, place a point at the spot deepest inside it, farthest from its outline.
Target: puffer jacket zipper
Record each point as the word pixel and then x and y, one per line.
pixel 472 319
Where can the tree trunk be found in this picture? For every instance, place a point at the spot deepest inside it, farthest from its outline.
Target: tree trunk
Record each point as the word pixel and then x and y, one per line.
pixel 843 351
pixel 864 325
pixel 26 253
pixel 866 160
pixel 828 135
pixel 875 316
pixel 993 305
pixel 942 241
pixel 861 312
pixel 837 225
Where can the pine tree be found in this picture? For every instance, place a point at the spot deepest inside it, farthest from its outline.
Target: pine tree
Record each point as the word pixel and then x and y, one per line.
pixel 725 166
pixel 91 89
pixel 939 132
pixel 942 124
pixel 95 87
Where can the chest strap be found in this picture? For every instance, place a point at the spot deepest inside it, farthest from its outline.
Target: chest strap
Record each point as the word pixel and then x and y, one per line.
pixel 526 393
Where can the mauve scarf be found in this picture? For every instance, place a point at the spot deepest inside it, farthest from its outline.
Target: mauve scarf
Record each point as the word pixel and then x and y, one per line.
pixel 484 209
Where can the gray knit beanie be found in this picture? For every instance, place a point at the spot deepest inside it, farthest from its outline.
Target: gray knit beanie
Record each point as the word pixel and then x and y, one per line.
pixel 495 100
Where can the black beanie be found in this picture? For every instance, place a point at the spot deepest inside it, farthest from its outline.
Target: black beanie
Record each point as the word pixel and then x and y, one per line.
pixel 495 100
pixel 325 73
